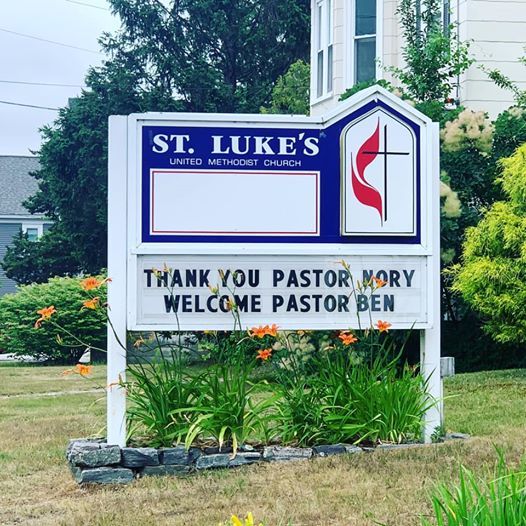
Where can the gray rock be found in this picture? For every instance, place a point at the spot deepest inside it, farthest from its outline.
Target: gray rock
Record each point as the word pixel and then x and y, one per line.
pixel 456 436
pixel 88 453
pixel 179 455
pixel 138 457
pixel 104 476
pixel 279 453
pixel 164 470
pixel 329 450
pixel 225 460
pixel 352 450
pixel 214 450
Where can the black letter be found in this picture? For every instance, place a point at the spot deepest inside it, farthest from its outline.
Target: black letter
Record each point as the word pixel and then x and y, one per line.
pixel 277 301
pixel 278 276
pixel 148 272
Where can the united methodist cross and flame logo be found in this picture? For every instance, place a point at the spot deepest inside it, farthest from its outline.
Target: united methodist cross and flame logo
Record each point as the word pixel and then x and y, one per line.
pixel 379 176
pixel 364 191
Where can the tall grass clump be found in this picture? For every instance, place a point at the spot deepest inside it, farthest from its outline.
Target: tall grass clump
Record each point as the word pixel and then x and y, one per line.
pixel 162 396
pixel 351 398
pixel 500 501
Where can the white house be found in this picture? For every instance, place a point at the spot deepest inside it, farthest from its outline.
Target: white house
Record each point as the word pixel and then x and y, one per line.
pixel 348 36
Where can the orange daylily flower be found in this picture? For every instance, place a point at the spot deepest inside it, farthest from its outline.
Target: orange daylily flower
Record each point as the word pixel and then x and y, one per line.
pixel 347 337
pixel 378 282
pixel 81 369
pixel 264 354
pixel 93 283
pixel 90 283
pixel 92 303
pixel 45 314
pixel 258 332
pixel 264 330
pixel 272 330
pixel 383 326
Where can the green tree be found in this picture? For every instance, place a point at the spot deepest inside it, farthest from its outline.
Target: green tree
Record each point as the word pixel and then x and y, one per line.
pixel 434 57
pixel 35 261
pixel 492 274
pixel 182 55
pixel 214 55
pixel 291 92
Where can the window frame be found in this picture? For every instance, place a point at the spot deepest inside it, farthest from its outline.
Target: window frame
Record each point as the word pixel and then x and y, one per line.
pixel 322 85
pixel 38 226
pixel 352 38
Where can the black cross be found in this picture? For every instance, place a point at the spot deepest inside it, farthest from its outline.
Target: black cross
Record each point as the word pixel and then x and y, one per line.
pixel 385 153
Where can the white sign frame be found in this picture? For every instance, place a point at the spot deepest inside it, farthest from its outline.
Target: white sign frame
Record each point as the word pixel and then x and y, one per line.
pixel 125 246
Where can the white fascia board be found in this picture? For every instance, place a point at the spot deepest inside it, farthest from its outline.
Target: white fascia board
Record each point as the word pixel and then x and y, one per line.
pixel 230 118
pixel 25 218
pixel 242 119
pixel 280 249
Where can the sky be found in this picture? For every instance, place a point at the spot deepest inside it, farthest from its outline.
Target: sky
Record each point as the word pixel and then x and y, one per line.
pixel 25 59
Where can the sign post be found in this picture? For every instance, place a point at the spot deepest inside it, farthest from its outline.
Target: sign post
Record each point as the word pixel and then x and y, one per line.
pixel 271 205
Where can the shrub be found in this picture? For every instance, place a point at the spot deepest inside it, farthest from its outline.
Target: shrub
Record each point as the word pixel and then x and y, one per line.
pixel 492 275
pixel 18 313
pixel 500 501
pixel 510 132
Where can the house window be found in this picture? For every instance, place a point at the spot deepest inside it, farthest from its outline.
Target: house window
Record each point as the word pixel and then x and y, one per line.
pixel 446 18
pixel 364 40
pixel 32 231
pixel 324 32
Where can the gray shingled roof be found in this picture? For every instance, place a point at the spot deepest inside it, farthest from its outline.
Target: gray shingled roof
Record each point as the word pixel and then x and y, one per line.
pixel 16 185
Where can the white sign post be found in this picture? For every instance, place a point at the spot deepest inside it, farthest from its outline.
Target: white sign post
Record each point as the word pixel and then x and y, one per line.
pixel 275 203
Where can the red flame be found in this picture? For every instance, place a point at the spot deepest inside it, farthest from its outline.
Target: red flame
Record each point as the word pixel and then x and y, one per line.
pixel 367 194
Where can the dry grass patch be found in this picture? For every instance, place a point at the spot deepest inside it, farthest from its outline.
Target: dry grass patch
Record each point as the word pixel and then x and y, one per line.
pixel 385 487
pixel 17 380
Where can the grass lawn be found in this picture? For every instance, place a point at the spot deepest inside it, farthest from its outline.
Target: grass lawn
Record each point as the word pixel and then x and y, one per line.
pixel 389 488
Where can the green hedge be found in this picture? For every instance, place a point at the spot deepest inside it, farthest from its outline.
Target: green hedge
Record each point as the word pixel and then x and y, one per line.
pixel 18 314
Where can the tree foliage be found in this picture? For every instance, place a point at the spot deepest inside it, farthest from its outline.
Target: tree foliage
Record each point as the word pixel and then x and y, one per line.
pixel 214 55
pixel 433 54
pixel 35 261
pixel 492 274
pixel 291 92
pixel 182 55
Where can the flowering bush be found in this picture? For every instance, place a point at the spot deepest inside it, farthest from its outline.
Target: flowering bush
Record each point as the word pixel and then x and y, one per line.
pixel 471 128
pixel 64 305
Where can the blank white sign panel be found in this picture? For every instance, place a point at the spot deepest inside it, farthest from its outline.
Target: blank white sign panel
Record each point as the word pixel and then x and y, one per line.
pixel 234 202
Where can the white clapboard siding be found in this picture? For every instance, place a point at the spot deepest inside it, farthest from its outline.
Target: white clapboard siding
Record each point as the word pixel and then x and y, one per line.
pixel 495 28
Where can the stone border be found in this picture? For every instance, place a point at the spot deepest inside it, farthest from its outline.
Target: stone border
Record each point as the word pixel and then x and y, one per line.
pixel 93 461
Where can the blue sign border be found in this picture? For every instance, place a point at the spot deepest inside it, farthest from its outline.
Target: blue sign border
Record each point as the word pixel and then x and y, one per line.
pixel 327 162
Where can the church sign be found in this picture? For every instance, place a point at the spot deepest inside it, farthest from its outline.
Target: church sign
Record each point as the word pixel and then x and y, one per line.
pixel 273 210
pixel 279 204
